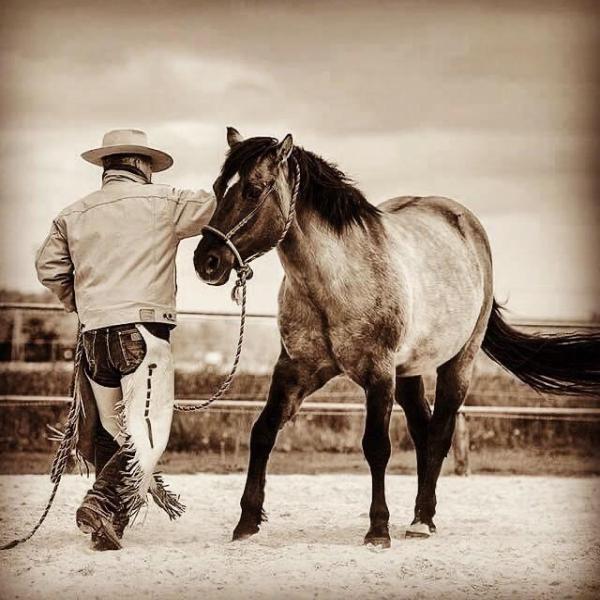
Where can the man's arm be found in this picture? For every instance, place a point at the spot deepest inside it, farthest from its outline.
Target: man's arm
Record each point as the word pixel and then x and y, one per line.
pixel 54 266
pixel 193 211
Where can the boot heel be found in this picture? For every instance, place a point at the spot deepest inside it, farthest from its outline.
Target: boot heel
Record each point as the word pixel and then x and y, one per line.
pixel 85 521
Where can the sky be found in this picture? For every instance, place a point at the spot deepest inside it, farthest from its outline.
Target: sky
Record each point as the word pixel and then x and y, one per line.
pixel 492 104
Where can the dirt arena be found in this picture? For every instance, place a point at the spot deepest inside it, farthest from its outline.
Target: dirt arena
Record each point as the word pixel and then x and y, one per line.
pixel 501 537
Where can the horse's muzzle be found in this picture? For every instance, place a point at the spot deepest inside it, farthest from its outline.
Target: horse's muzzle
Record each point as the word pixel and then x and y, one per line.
pixel 213 263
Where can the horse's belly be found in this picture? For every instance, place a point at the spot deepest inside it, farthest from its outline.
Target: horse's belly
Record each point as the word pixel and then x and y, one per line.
pixel 434 339
pixel 424 358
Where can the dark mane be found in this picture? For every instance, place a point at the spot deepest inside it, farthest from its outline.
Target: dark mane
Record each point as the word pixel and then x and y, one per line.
pixel 244 155
pixel 323 187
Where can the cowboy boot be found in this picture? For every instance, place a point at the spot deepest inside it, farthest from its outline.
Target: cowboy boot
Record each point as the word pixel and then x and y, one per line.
pixel 120 521
pixel 97 511
pixel 105 448
pixel 120 516
pixel 94 516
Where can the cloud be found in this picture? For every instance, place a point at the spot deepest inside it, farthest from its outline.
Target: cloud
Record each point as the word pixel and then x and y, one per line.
pixel 388 66
pixel 494 105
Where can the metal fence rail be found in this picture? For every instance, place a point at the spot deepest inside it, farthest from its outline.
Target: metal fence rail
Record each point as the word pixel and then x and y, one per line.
pixel 57 308
pixel 341 408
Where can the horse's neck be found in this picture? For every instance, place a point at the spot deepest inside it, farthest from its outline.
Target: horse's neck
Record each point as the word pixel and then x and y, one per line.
pixel 322 261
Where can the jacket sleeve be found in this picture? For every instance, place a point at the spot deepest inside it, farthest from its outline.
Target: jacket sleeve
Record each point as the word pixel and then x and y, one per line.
pixel 193 211
pixel 54 266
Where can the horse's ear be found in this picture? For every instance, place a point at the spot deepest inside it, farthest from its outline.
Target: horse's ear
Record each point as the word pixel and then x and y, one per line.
pixel 234 137
pixel 284 149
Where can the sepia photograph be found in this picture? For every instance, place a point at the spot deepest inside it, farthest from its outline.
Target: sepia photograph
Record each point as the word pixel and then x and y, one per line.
pixel 300 299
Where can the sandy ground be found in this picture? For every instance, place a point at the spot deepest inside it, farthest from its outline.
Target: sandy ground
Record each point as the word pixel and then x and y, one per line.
pixel 501 537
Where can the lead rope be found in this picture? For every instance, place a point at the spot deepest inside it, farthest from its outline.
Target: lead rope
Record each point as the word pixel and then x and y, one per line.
pixel 238 295
pixel 240 284
pixel 67 444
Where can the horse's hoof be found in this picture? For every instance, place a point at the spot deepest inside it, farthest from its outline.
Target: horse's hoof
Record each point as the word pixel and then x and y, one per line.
pixel 240 537
pixel 419 530
pixel 243 533
pixel 377 540
pixel 380 542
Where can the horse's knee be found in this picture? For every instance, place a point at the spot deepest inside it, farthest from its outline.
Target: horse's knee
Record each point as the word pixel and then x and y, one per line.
pixel 377 447
pixel 262 436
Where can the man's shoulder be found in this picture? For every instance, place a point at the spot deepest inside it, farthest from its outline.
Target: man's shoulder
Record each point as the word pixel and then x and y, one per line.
pixel 77 206
pixel 160 189
pixel 105 195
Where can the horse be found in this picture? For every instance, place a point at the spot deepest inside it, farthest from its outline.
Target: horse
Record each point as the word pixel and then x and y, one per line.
pixel 382 294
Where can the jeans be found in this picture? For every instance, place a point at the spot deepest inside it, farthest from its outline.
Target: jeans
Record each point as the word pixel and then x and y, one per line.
pixel 113 352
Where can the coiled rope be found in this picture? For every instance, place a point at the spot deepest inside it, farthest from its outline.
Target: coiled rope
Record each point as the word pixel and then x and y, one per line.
pixel 67 444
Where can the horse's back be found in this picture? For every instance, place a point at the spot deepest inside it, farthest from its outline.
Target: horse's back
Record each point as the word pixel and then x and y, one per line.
pixel 444 220
pixel 441 250
pixel 456 215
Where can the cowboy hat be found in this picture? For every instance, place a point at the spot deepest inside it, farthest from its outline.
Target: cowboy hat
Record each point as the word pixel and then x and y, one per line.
pixel 128 141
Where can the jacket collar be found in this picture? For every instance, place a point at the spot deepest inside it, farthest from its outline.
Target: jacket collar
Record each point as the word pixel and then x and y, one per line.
pixel 120 176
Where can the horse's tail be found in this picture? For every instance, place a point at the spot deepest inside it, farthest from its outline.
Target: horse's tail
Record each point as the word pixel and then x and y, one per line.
pixel 556 364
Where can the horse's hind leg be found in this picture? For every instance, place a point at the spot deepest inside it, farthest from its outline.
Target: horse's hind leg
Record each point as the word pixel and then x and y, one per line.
pixel 377 449
pixel 292 381
pixel 410 395
pixel 453 380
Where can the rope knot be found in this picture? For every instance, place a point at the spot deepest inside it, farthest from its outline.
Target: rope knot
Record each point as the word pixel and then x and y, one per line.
pixel 244 273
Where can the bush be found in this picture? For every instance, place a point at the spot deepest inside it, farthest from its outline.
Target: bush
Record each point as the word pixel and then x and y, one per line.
pixel 24 427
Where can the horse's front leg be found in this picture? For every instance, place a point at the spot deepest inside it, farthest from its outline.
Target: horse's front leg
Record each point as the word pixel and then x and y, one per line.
pixel 292 381
pixel 377 449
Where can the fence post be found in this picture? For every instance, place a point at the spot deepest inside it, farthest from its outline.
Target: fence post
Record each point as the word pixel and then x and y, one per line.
pixel 460 444
pixel 17 348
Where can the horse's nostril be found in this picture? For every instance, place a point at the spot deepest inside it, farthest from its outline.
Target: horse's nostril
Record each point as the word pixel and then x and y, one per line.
pixel 212 263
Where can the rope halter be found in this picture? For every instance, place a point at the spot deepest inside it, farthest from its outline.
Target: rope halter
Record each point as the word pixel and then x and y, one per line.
pixel 243 270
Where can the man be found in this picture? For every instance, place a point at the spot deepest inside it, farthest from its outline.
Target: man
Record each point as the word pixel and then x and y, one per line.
pixel 110 257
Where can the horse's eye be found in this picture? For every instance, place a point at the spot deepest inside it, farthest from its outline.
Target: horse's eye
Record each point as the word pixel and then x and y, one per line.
pixel 253 192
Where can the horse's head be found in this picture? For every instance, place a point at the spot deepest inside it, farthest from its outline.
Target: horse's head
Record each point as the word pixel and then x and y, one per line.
pixel 253 203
